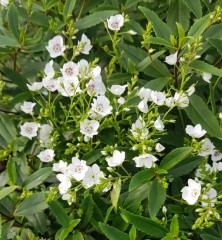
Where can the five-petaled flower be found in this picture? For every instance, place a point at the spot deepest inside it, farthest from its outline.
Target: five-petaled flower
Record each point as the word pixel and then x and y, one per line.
pixel 115 22
pixel 196 131
pixel 56 47
pixel 29 129
pixel 191 192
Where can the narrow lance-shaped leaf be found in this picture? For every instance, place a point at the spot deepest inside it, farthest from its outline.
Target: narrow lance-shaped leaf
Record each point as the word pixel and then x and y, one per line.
pixel 195 7
pixel 13 20
pixel 8 42
pixel 6 191
pixel 11 169
pixel 87 208
pixel 115 193
pixel 217 43
pixel 68 7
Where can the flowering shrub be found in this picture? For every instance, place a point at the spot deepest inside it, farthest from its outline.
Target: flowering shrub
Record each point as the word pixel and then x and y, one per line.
pixel 110 120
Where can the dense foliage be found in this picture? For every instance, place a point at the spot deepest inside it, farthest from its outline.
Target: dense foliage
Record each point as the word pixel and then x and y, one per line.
pixel 110 119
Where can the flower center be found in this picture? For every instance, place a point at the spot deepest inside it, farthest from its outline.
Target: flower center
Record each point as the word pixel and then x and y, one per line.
pixel 57 48
pixel 69 71
pixel 194 192
pixel 100 107
pixel 88 129
pixel 79 169
pixel 114 25
pixel 28 130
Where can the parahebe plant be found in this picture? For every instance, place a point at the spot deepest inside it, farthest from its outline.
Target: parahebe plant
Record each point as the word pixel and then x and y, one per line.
pixel 110 120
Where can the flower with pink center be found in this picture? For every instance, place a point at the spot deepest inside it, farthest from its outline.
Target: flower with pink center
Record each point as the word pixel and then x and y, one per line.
pixel 29 129
pixel 89 127
pixel 95 87
pixel 102 106
pixel 46 155
pixel 70 70
pixel 115 22
pixel 56 47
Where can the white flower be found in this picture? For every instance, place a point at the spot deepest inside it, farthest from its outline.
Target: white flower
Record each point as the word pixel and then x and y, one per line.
pixel 199 172
pixel 143 106
pixel 145 93
pixel 145 160
pixel 158 97
pixel 68 197
pixel 195 131
pixel 46 155
pixel 159 147
pixel 121 100
pixel 101 105
pixel 61 166
pixel 117 158
pixel 115 22
pixel 4 2
pixel 206 148
pixel 65 183
pixel 83 66
pixel 29 129
pixel 117 89
pixel 171 59
pixel 220 115
pixel 181 100
pixel 95 87
pixel 36 86
pixel 169 102
pixel 216 155
pixel 86 44
pixel 217 166
pixel 49 71
pixel 92 176
pixel 191 192
pixel 77 168
pixel 131 32
pixel 190 90
pixel 139 129
pixel 158 124
pixel 27 107
pixel 210 198
pixel 89 127
pixel 55 47
pixel 206 77
pixel 68 87
pixel 50 84
pixel 44 135
pixel 70 70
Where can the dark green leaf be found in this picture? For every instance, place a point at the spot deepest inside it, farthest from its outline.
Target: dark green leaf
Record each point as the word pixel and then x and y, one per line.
pixel 87 209
pixel 6 228
pixel 175 157
pixel 140 178
pixel 37 178
pixel 145 225
pixel 40 19
pixel 160 41
pixel 31 205
pixel 157 197
pixel 11 170
pixel 68 7
pixel 217 43
pixel 207 120
pixel 13 20
pixel 94 19
pixel 209 237
pixel 161 29
pixel 6 191
pixel 60 213
pixel 195 7
pixel 8 42
pixel 158 84
pixel 113 233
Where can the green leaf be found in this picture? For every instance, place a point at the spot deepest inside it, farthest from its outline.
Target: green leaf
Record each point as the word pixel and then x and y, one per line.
pixel 31 205
pixel 13 20
pixel 131 3
pixel 148 60
pixel 145 225
pixel 16 78
pixel 8 130
pixel 132 233
pixel 87 209
pixel 69 7
pixel 181 33
pixel 160 41
pixel 0 227
pixel 209 237
pixel 115 193
pixel 178 12
pixel 140 178
pixel 217 43
pixel 8 42
pixel 175 157
pixel 161 29
pixel 198 112
pixel 11 170
pixel 195 7
pixel 113 233
pixel 205 67
pixel 37 178
pixel 157 197
pixel 6 191
pixel 188 165
pixel 174 226
pixel 94 19
pixel 59 213
pixel 40 19
pixel 118 78
pixel 6 228
pixel 158 84
pixel 77 236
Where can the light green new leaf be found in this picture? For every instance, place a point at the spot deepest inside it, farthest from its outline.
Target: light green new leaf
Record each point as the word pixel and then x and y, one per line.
pixel 8 42
pixel 60 213
pixel 205 67
pixel 155 203
pixel 174 226
pixel 37 178
pixel 6 191
pixel 217 43
pixel 195 7
pixel 175 157
pixel 13 20
pixel 11 170
pixel 199 113
pixel 145 225
pixel 7 128
pixel 161 29
pixel 77 236
pixel 113 233
pixel 31 205
pixel 140 178
pixel 94 19
pixel 69 7
pixel 115 193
